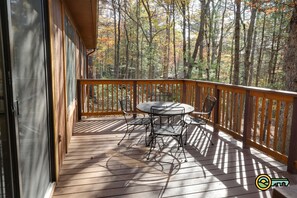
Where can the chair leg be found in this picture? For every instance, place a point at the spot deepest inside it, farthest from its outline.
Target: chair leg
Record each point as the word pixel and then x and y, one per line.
pixel 208 137
pixel 181 144
pixel 146 136
pixel 201 129
pixel 152 145
pixel 126 134
pixel 123 137
pixel 186 135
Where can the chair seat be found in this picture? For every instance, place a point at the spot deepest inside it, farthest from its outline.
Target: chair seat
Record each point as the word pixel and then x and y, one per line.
pixel 139 121
pixel 168 130
pixel 194 121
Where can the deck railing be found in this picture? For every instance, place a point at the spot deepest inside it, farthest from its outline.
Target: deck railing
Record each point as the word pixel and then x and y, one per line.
pixel 262 118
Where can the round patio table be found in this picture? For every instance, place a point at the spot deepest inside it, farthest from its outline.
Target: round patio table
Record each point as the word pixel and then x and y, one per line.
pixel 146 107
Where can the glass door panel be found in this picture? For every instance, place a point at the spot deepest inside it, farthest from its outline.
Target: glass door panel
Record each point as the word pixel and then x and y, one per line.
pixel 4 154
pixel 29 82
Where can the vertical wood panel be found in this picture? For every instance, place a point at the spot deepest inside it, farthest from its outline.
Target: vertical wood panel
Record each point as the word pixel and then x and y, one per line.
pixel 276 125
pixel 256 118
pixel 284 132
pixel 262 120
pixel 269 123
pixel 241 112
pixel 292 156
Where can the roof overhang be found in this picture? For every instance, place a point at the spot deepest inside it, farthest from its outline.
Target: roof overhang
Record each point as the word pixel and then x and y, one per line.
pixel 84 14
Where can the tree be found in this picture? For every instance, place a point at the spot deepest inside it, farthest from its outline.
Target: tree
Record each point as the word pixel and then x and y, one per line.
pixel 290 58
pixel 247 61
pixel 218 68
pixel 200 37
pixel 237 43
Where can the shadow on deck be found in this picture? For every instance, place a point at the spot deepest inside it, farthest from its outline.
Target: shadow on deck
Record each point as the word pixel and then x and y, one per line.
pixel 96 166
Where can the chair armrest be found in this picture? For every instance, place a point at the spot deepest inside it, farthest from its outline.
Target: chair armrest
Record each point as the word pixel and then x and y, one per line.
pixel 135 112
pixel 199 113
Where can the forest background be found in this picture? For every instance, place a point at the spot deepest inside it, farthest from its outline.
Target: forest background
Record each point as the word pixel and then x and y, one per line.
pixel 242 42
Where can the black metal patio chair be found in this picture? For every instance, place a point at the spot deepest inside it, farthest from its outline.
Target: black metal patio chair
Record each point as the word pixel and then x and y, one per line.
pixel 167 129
pixel 201 118
pixel 131 118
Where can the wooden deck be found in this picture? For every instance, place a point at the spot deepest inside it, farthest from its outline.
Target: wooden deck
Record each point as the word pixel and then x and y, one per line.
pixel 96 166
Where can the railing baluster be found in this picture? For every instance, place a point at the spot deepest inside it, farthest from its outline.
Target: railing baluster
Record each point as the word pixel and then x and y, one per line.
pixel 276 125
pixel 284 133
pixel 79 99
pixel 223 107
pixel 262 120
pixel 256 118
pixel 217 110
pixel 269 123
pixel 235 112
pixel 241 111
pixel 197 97
pixel 292 156
pixel 248 112
pixel 134 95
pixel 184 91
pixel 93 98
pixel 102 90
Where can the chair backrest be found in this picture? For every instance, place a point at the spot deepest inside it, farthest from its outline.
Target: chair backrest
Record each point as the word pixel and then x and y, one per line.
pixel 208 105
pixel 163 112
pixel 126 105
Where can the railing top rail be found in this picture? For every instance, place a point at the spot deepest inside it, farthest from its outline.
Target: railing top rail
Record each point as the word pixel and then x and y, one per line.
pixel 129 80
pixel 250 88
pixel 219 85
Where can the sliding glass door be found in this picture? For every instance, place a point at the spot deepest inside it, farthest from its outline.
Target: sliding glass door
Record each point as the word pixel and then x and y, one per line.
pixel 5 168
pixel 30 94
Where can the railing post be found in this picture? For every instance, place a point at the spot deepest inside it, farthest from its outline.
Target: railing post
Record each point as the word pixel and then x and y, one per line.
pixel 292 156
pixel 134 96
pixel 216 110
pixel 78 99
pixel 197 96
pixel 247 125
pixel 184 99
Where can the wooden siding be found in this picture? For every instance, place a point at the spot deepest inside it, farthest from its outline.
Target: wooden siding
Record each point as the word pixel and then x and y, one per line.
pixel 58 80
pixel 64 114
pixel 96 166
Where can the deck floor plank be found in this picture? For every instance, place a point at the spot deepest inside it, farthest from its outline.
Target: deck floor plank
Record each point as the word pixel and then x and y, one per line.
pixel 96 166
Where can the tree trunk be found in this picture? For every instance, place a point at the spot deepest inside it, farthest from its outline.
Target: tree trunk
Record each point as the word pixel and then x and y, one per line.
pixel 249 46
pixel 166 47
pixel 199 40
pixel 273 77
pixel 118 40
pixel 237 43
pixel 146 6
pixel 116 65
pixel 207 40
pixel 214 33
pixel 232 61
pixel 174 40
pixel 137 39
pixel 260 52
pixel 252 59
pixel 183 4
pixel 189 35
pixel 218 70
pixel 272 53
pixel 127 42
pixel 290 58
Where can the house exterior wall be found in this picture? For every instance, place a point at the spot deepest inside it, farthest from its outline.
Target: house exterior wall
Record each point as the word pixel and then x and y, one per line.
pixel 64 45
pixel 58 79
